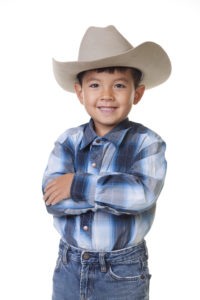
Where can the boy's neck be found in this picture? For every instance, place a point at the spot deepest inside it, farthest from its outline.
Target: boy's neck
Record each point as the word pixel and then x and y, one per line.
pixel 103 130
pixel 101 133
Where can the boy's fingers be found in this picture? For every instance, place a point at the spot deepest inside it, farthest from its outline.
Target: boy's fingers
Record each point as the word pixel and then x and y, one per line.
pixel 56 200
pixel 52 197
pixel 49 185
pixel 49 192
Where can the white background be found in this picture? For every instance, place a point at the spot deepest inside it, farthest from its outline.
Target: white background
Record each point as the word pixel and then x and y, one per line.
pixel 35 111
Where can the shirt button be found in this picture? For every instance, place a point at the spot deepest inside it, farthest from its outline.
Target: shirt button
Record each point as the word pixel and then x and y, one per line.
pixel 85 228
pixel 98 141
pixel 94 165
pixel 86 256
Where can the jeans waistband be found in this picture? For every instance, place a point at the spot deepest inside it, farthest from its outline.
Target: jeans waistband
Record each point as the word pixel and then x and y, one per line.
pixel 115 256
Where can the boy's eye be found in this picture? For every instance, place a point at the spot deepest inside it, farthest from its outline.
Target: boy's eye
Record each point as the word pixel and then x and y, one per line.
pixel 94 85
pixel 120 85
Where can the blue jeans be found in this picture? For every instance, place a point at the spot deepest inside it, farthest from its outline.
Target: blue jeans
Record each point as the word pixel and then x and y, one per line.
pixel 121 274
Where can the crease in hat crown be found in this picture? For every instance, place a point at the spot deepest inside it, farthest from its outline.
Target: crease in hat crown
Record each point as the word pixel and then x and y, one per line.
pixel 102 42
pixel 106 47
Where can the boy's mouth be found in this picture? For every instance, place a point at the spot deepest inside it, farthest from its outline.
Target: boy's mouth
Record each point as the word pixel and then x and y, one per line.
pixel 107 108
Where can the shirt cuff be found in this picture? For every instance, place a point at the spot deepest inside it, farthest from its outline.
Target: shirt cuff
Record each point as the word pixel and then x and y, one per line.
pixel 83 187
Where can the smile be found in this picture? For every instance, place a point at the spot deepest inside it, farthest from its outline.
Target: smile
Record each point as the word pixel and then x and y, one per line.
pixel 107 109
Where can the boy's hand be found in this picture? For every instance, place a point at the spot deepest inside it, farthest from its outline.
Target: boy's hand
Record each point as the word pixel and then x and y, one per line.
pixel 58 189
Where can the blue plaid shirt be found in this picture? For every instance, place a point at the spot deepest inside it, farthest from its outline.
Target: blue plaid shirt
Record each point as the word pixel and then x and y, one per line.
pixel 117 181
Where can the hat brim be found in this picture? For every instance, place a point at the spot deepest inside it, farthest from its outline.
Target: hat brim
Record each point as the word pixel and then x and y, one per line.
pixel 148 57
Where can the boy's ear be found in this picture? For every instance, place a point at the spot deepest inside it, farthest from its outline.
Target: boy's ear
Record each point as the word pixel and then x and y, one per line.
pixel 78 90
pixel 138 94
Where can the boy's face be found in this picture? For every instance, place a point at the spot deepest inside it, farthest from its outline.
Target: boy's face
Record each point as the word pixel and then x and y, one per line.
pixel 108 98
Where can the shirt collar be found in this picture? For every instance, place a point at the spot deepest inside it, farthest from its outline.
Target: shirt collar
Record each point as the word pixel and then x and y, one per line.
pixel 116 135
pixel 89 135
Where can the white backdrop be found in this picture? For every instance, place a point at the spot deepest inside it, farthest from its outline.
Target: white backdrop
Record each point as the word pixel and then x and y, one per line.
pixel 35 111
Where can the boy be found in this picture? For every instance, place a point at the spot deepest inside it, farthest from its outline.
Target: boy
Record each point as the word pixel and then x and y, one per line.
pixel 103 178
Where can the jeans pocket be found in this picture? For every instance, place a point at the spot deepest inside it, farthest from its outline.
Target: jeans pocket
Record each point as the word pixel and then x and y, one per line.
pixel 132 271
pixel 58 263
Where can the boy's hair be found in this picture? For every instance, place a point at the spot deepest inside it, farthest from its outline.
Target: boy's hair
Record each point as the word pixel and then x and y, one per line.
pixel 136 74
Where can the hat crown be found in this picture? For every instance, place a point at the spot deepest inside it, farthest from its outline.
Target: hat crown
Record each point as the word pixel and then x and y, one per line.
pixel 99 43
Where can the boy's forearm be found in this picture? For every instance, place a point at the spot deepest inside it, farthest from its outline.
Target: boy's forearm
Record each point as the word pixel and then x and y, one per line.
pixel 69 207
pixel 118 193
pixel 63 204
pixel 58 189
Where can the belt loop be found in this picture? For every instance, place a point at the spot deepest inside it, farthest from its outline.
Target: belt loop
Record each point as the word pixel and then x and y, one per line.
pixel 64 256
pixel 102 261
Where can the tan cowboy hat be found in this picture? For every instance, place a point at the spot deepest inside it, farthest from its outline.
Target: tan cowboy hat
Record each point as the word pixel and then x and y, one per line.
pixel 106 47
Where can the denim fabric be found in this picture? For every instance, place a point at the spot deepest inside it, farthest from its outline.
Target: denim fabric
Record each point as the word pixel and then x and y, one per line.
pixel 116 275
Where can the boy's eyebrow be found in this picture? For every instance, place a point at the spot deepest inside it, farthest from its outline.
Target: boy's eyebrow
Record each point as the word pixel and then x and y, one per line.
pixel 91 79
pixel 122 79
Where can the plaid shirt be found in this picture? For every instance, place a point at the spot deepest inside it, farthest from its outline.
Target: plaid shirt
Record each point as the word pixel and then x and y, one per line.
pixel 117 181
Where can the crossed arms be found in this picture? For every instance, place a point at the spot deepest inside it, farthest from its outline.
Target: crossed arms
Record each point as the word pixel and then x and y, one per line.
pixel 69 192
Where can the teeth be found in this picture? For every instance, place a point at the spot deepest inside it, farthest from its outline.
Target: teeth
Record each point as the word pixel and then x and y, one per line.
pixel 107 108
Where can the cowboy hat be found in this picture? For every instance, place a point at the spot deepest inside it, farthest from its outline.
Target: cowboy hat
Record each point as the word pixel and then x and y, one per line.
pixel 106 47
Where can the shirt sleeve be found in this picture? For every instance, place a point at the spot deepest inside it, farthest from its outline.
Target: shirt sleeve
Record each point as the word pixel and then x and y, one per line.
pixel 61 162
pixel 126 193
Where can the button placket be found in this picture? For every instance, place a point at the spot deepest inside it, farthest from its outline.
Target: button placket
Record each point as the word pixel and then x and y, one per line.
pixel 85 223
pixel 95 156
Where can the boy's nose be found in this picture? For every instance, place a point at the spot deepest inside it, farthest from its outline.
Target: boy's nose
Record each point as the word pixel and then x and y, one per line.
pixel 107 95
pixel 107 98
